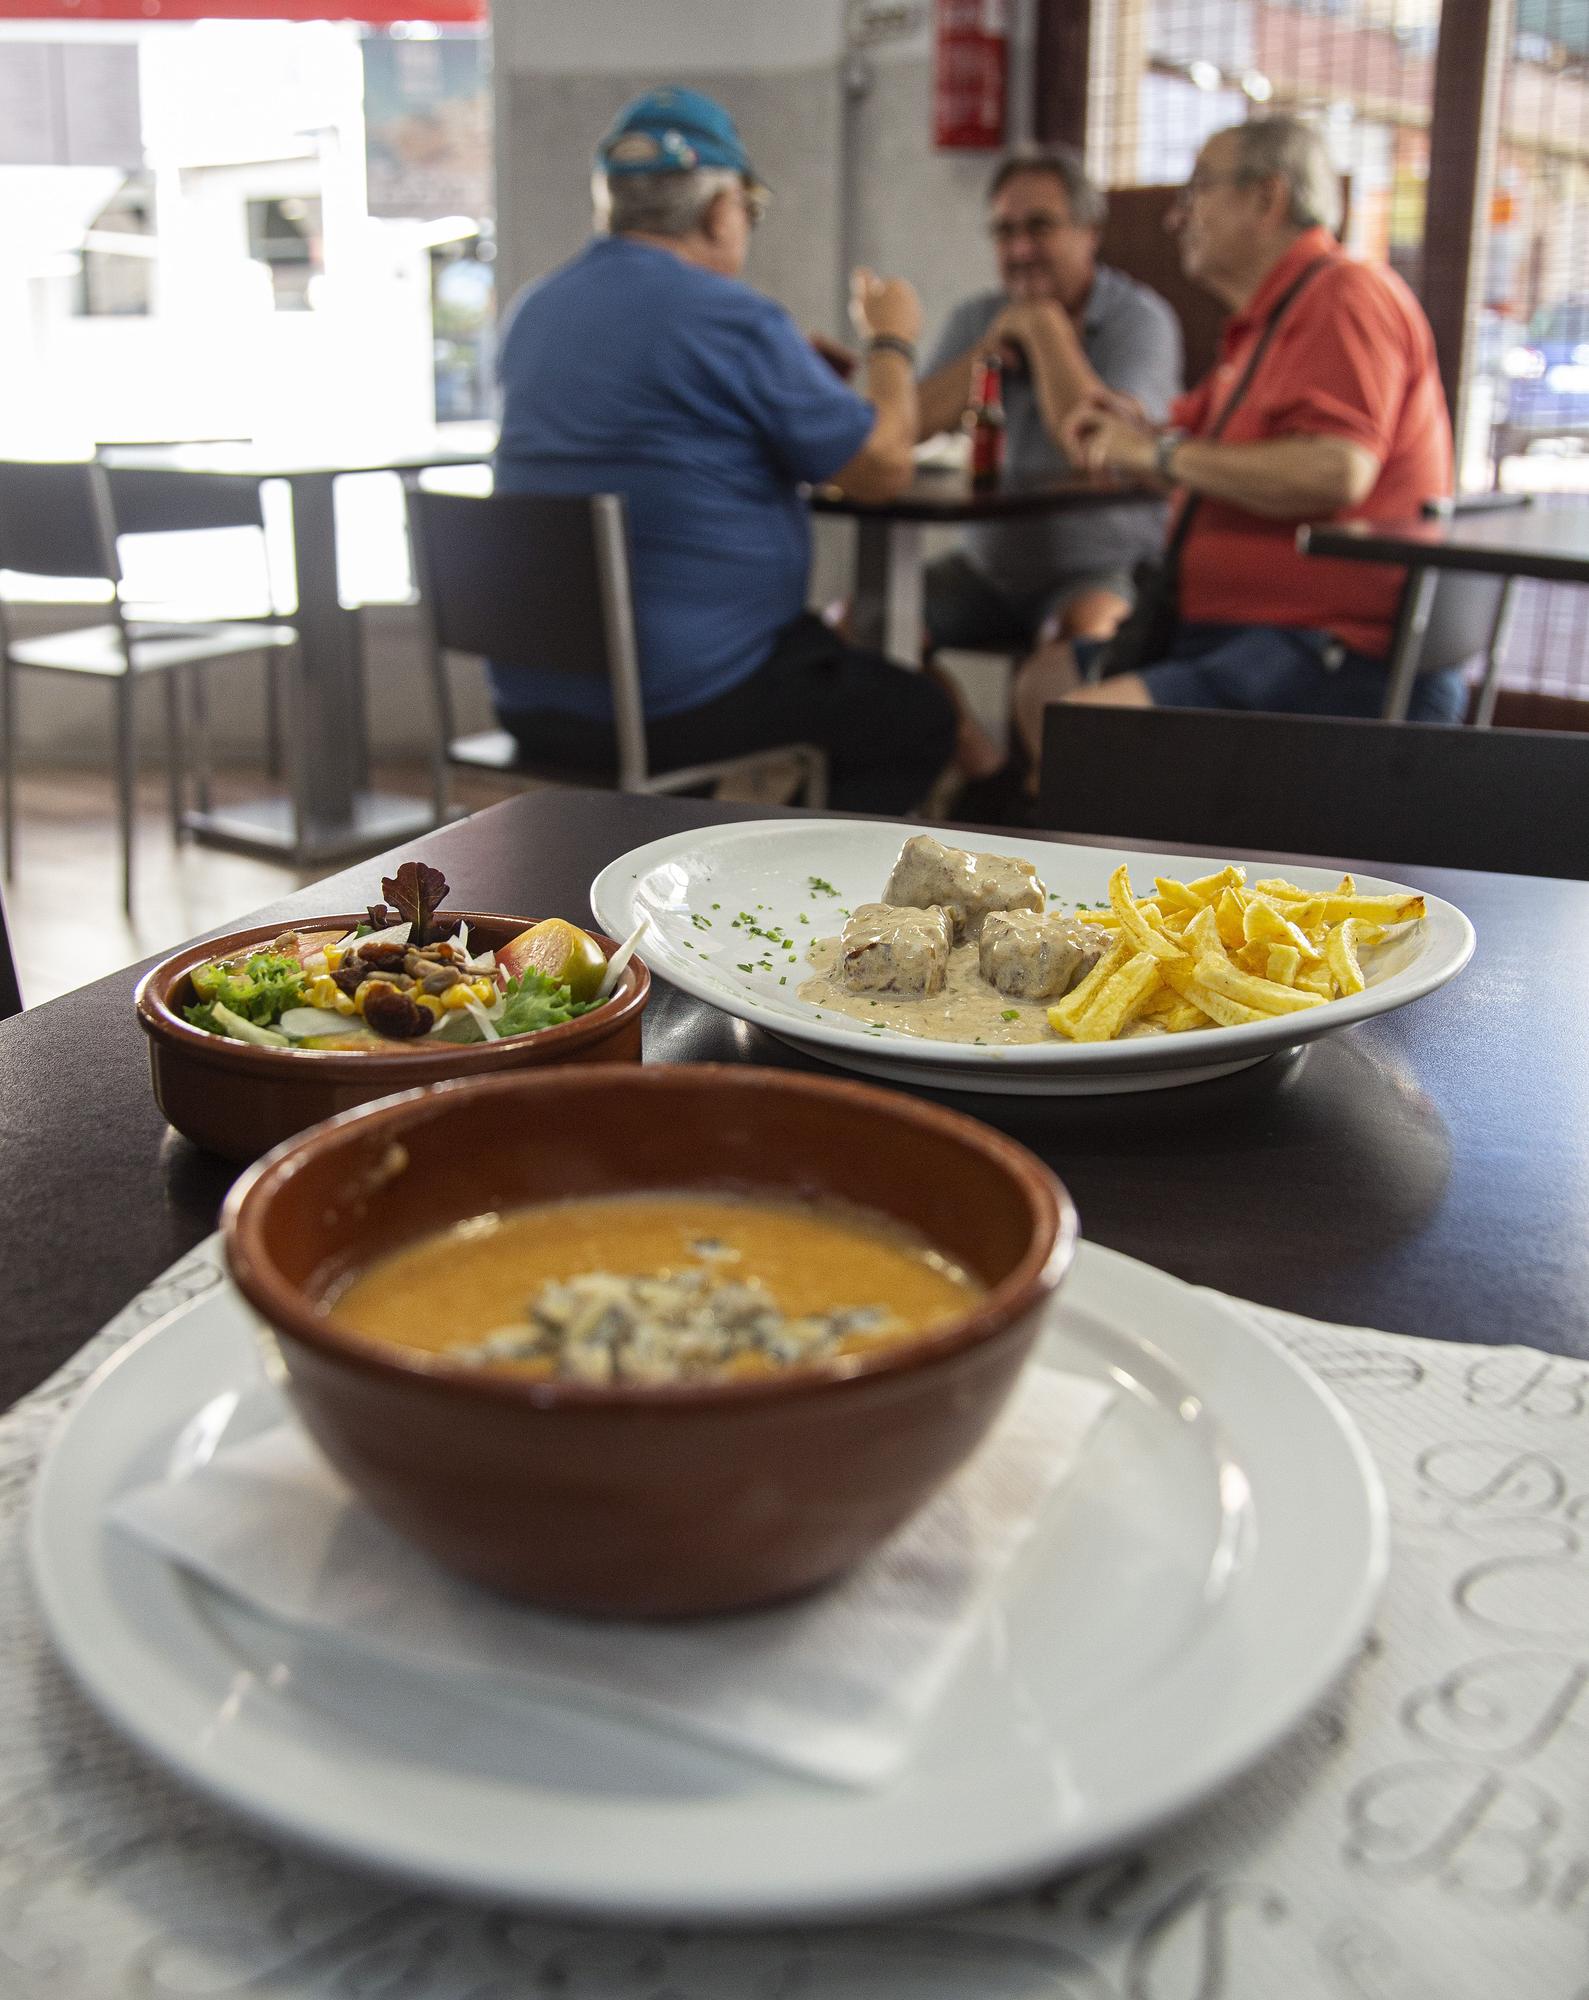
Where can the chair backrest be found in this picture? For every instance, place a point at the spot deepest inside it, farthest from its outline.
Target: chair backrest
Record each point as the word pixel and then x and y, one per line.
pixel 1136 241
pixel 149 502
pixel 533 580
pixel 55 520
pixel 1462 613
pixel 1497 799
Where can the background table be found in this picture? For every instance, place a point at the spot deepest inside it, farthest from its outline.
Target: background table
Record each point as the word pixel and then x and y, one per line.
pixel 1426 1172
pixel 1550 542
pixel 329 813
pixel 886 606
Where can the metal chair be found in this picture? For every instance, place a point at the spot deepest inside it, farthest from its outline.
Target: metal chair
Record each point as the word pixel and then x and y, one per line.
pixel 10 988
pixel 543 581
pixel 1505 800
pixel 1448 617
pixel 56 520
pixel 147 501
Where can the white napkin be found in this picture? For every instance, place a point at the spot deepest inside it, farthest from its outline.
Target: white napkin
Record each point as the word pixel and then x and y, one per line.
pixel 834 1686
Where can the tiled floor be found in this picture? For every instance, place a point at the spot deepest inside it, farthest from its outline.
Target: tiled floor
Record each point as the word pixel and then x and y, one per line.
pixel 64 904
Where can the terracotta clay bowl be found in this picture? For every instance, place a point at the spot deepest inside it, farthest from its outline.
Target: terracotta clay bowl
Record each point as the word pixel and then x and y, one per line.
pixel 629 1500
pixel 239 1101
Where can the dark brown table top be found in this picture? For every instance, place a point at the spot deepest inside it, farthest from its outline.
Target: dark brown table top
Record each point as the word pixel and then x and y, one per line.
pixel 947 497
pixel 1541 540
pixel 1426 1172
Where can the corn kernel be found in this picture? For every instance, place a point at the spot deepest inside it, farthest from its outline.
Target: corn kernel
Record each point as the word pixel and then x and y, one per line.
pixel 430 1003
pixel 484 991
pixel 457 997
pixel 335 953
pixel 344 1003
pixel 323 992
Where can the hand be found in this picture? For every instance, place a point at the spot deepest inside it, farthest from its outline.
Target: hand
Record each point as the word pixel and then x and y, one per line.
pixel 1026 322
pixel 884 305
pixel 841 359
pixel 1108 432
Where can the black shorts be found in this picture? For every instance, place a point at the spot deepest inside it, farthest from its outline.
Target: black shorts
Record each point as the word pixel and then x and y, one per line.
pixel 888 732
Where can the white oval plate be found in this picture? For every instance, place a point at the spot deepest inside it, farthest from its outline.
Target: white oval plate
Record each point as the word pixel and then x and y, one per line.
pixel 689 887
pixel 1188 1595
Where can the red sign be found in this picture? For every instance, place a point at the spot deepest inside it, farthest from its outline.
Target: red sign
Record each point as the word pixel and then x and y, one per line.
pixel 970 64
pixel 378 13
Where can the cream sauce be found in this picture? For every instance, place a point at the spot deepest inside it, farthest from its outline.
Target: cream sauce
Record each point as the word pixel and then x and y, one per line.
pixel 967 1009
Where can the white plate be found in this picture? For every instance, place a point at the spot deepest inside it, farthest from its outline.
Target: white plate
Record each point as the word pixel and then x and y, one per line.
pixel 689 888
pixel 1188 1596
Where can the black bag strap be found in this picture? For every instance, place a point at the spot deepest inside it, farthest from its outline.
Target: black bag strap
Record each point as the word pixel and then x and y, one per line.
pixel 1283 305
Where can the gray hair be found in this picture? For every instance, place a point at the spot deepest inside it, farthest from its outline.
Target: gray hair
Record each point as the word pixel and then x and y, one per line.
pixel 1290 150
pixel 1089 205
pixel 672 204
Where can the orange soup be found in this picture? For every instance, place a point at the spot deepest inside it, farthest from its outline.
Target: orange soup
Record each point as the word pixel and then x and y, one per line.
pixel 659 1288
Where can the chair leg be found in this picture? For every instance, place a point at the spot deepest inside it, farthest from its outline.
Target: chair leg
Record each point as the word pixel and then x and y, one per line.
pixel 199 712
pixel 273 707
pixel 175 775
pixel 8 763
pixel 126 781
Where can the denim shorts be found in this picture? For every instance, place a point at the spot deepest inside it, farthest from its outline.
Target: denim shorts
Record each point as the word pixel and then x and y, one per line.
pixel 1285 670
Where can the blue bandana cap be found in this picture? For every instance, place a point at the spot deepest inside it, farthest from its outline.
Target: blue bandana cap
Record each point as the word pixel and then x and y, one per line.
pixel 674 131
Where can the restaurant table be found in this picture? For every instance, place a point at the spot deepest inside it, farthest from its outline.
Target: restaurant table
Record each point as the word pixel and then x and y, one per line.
pixel 1521 536
pixel 1425 1171
pixel 329 812
pixel 1420 1835
pixel 886 604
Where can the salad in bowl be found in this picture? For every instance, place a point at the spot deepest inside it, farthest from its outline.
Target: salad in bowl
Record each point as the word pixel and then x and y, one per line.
pixel 406 976
pixel 259 1034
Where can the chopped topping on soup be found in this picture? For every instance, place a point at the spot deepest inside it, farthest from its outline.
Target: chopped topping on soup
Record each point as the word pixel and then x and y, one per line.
pixel 661 1288
pixel 672 1327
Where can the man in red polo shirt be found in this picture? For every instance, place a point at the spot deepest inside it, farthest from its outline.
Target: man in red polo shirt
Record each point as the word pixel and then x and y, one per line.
pixel 1344 419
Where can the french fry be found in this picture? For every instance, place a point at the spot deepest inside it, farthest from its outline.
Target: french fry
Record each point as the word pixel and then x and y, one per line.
pixel 1281 890
pixel 1205 933
pixel 1262 923
pixel 1119 999
pixel 1283 964
pixel 1391 909
pixel 1133 923
pixel 1063 1016
pixel 1316 978
pixel 1340 953
pixel 1182 1017
pixel 1176 895
pixel 1224 1013
pixel 1231 915
pixel 1264 996
pixel 1207 887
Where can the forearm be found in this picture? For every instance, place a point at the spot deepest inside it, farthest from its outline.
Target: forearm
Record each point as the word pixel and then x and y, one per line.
pixel 1062 376
pixel 1283 479
pixel 942 397
pixel 885 462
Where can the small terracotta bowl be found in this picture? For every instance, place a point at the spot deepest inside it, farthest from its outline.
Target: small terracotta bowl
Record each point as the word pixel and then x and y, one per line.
pixel 239 1101
pixel 646 1501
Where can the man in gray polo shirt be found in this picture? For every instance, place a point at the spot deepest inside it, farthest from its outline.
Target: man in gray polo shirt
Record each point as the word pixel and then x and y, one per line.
pixel 1067 326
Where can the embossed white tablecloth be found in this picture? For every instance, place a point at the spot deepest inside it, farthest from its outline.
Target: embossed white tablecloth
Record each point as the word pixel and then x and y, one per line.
pixel 1425 1836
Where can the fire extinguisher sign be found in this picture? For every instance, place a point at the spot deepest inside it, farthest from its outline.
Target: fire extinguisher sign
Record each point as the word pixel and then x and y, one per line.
pixel 970 66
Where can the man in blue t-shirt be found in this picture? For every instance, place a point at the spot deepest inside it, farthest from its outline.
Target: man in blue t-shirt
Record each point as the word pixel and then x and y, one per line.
pixel 646 367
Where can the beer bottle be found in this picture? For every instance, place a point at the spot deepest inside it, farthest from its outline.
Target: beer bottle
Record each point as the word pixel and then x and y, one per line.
pixel 984 420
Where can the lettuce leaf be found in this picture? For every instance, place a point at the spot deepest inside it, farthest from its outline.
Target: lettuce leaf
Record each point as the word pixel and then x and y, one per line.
pixel 535 1001
pixel 259 989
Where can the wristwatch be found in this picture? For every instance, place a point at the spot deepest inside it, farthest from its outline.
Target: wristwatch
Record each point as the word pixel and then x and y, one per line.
pixel 1164 449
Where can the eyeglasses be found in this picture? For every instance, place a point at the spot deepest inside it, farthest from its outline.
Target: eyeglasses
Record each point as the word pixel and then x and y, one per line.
pixel 757 201
pixel 1038 227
